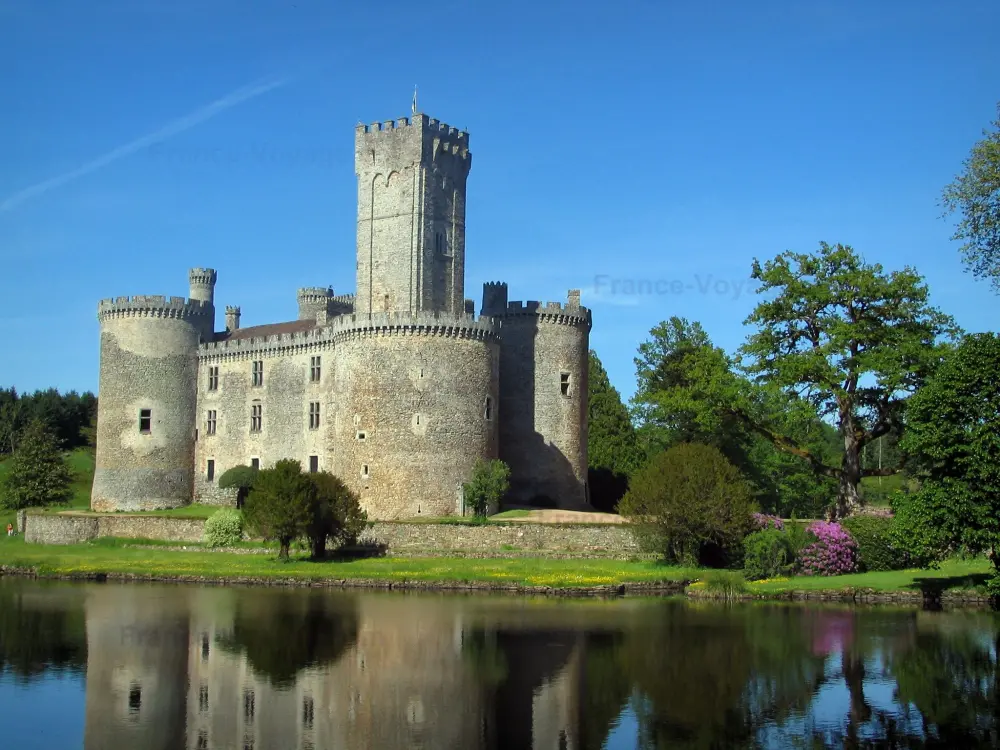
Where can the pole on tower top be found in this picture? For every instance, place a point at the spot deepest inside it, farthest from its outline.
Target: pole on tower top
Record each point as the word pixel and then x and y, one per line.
pixel 414 107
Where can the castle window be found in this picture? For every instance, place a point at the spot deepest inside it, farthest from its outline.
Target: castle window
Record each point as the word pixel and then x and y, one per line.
pixel 249 705
pixel 361 435
pixel 564 383
pixel 255 464
pixel 488 410
pixel 203 698
pixel 256 418
pixel 202 739
pixel 145 420
pixel 210 470
pixel 210 423
pixel 313 464
pixel 213 378
pixel 364 471
pixel 308 710
pixel 204 643
pixel 314 415
pixel 258 372
pixel 134 698
pixel 314 369
pixel 385 303
pixel 418 419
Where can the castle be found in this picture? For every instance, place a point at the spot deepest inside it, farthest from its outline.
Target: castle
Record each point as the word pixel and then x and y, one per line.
pixel 398 389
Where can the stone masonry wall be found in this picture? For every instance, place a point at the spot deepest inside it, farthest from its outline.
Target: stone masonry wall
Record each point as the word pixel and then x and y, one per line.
pixel 146 363
pixel 400 538
pixel 543 431
pixel 284 399
pixel 51 528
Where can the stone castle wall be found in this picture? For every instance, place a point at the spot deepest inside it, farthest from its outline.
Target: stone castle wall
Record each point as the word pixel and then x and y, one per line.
pixel 284 398
pixel 543 397
pixel 592 540
pixel 148 361
pixel 412 415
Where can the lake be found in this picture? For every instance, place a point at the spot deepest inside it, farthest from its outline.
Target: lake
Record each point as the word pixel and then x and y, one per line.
pixel 125 666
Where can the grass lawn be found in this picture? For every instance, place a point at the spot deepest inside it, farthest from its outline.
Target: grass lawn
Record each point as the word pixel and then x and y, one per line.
pixel 952 574
pixel 106 558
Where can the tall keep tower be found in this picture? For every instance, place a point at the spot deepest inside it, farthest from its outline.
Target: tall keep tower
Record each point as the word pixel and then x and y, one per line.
pixel 411 216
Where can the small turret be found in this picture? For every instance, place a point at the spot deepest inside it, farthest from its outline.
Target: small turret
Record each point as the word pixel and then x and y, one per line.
pixel 202 281
pixel 494 298
pixel 232 318
pixel 312 301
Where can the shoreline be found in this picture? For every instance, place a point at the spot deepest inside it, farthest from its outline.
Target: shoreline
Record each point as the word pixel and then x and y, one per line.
pixel 662 588
pixel 959 599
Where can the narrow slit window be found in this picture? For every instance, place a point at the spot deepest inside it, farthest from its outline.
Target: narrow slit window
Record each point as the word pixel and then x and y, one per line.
pixel 364 471
pixel 564 383
pixel 488 409
pixel 313 464
pixel 210 470
pixel 145 420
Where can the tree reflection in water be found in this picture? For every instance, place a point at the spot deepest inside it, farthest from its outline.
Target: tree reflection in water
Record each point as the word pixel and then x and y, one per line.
pixel 282 633
pixel 39 633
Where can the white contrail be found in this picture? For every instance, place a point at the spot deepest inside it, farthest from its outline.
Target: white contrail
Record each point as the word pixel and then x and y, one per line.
pixel 179 125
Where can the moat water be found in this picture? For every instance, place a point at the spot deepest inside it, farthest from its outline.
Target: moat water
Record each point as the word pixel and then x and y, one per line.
pixel 122 666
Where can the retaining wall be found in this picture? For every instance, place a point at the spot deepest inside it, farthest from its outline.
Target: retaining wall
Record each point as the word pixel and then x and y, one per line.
pixel 49 528
pixel 401 538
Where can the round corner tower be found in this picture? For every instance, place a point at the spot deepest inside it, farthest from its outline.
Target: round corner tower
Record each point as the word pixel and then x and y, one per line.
pixel 543 398
pixel 147 397
pixel 416 408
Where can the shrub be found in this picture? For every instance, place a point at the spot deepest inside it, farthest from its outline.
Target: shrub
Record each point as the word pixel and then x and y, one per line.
pixel 767 553
pixel 490 482
pixel 725 585
pixel 834 551
pixel 224 528
pixel 877 549
pixel 691 505
pixel 768 522
pixel 241 479
pixel 336 514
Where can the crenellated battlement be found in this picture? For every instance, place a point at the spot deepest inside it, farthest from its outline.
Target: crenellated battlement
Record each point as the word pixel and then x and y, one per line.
pixel 154 306
pixel 408 138
pixel 568 313
pixel 428 125
pixel 348 326
pixel 314 292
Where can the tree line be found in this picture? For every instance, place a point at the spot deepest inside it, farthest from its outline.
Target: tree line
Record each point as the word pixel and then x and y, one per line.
pixel 849 372
pixel 71 417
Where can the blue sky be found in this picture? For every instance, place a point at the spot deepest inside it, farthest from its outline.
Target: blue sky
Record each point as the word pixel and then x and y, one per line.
pixel 614 143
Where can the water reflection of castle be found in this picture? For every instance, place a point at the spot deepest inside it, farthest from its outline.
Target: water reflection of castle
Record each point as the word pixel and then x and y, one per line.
pixel 193 668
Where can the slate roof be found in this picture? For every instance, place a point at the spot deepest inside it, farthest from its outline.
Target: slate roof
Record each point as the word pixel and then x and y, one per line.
pixel 291 326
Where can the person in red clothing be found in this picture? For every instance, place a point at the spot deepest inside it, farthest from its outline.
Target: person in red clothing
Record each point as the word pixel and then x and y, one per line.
pixel 10 529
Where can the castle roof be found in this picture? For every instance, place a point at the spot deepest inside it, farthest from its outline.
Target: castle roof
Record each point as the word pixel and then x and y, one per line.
pixel 292 326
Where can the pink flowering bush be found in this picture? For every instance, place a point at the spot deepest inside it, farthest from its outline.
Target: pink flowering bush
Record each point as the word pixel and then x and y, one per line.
pixel 763 521
pixel 833 553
